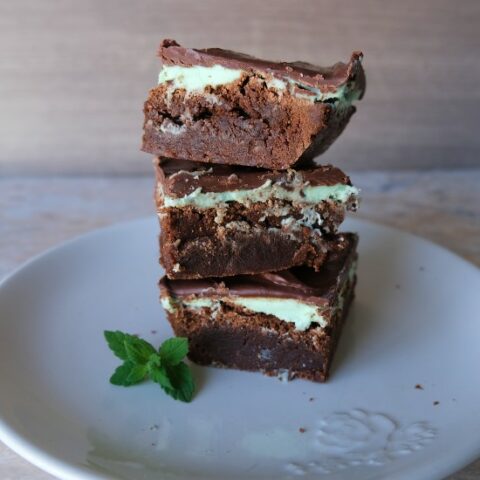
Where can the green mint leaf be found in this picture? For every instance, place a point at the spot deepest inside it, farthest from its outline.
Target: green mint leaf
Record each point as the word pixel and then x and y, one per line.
pixel 137 374
pixel 138 350
pixel 121 374
pixel 173 350
pixel 154 361
pixel 141 360
pixel 182 382
pixel 116 342
pixel 128 374
pixel 160 376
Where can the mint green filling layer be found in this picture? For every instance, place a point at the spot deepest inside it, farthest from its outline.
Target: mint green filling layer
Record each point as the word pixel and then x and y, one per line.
pixel 344 94
pixel 168 304
pixel 196 78
pixel 288 310
pixel 301 314
pixel 304 195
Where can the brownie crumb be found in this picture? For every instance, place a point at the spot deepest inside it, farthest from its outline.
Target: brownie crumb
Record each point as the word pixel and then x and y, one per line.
pixel 418 386
pixel 302 430
pixel 436 402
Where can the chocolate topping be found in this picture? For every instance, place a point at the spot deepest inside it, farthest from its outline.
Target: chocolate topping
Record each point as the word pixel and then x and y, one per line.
pixel 182 177
pixel 324 78
pixel 300 283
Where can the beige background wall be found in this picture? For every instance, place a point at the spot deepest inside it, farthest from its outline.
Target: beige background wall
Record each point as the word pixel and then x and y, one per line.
pixel 74 74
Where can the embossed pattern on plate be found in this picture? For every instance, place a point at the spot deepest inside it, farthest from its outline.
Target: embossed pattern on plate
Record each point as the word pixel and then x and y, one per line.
pixel 359 438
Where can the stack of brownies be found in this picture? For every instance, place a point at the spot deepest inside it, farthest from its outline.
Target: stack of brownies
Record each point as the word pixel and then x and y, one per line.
pixel 257 276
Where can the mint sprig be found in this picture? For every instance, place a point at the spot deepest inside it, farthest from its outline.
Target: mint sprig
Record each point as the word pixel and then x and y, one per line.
pixel 141 361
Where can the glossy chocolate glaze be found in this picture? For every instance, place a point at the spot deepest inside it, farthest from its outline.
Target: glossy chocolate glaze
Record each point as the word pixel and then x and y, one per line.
pixel 181 177
pixel 301 283
pixel 324 78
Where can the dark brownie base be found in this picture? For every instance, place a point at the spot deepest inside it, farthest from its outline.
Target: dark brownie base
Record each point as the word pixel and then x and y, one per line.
pixel 249 125
pixel 198 243
pixel 258 342
pixel 239 253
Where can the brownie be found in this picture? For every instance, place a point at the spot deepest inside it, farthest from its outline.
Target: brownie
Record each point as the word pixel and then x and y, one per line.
pixel 284 323
pixel 221 220
pixel 218 106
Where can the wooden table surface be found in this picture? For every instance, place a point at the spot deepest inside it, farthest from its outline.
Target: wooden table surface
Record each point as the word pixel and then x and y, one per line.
pixel 74 74
pixel 37 213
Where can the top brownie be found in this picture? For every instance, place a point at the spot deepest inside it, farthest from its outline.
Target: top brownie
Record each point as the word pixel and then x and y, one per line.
pixel 218 106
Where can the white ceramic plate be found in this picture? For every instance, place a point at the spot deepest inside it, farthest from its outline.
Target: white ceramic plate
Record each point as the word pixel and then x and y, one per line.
pixel 415 321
